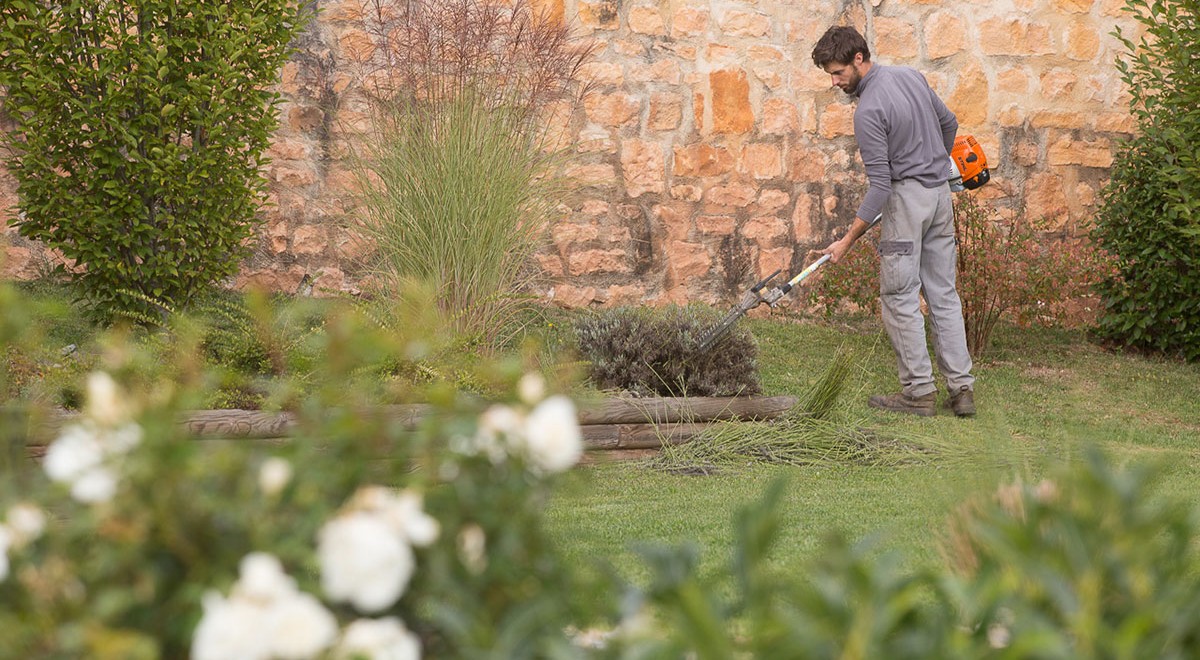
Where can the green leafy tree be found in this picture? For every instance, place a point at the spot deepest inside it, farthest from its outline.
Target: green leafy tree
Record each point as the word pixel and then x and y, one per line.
pixel 139 138
pixel 1150 218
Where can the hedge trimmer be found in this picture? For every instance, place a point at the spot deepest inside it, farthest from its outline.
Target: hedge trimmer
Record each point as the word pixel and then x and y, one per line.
pixel 759 294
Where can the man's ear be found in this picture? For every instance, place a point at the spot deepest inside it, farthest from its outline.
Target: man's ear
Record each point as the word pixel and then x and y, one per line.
pixel 858 59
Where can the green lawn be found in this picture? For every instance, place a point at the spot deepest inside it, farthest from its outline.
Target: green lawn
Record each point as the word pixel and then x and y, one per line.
pixel 1041 395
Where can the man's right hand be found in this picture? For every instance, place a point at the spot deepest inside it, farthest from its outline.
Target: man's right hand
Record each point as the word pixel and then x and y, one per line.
pixel 837 249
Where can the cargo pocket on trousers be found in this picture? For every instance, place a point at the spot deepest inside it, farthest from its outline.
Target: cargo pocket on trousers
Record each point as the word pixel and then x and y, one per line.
pixel 898 268
pixel 895 248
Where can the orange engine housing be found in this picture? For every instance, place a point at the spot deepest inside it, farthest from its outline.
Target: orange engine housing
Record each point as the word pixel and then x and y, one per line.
pixel 972 163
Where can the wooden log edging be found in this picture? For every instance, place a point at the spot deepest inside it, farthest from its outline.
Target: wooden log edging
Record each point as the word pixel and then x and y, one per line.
pixel 618 423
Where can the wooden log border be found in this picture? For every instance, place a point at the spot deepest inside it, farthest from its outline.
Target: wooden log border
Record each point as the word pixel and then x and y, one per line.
pixel 618 423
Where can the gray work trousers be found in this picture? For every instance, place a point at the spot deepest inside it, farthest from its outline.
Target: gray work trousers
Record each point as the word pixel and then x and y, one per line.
pixel 917 251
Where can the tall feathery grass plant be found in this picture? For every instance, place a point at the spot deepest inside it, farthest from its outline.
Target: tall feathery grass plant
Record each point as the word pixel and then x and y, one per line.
pixel 461 170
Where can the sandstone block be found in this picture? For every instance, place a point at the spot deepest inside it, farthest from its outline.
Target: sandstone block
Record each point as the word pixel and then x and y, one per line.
pixel 837 120
pixel 624 295
pixel 596 139
pixel 689 21
pixel 550 264
pixel 633 48
pixel 1044 196
pixel 1075 6
pixel 731 112
pixel 602 73
pixel 1013 80
pixel 768 75
pixel 269 279
pixel 1011 115
pixel 305 118
pixel 970 100
pixel 277 236
pixel 593 262
pixel 702 160
pixel 675 219
pixel 733 194
pixel 1058 119
pixel 595 207
pixel 766 230
pixel 1057 84
pixel 666 112
pixel 356 45
pixel 287 149
pixel 807 165
pixel 716 225
pixel 1088 153
pixel 722 54
pixel 553 11
pixel 762 160
pixel 17 263
pixel 738 23
pixel 566 235
pixel 802 219
pixel 686 261
pixel 809 78
pixel 771 200
pixel 329 281
pixel 599 175
pixel 1014 36
pixel 309 240
pixel 774 258
pixel 616 109
pixel 664 71
pixel 778 117
pixel 945 35
pixel 764 53
pixel 645 19
pixel 1116 122
pixel 298 176
pixel 895 37
pixel 572 296
pixel 687 193
pixel 643 167
pixel 1025 153
pixel 599 15
pixel 1082 40
pixel 698 111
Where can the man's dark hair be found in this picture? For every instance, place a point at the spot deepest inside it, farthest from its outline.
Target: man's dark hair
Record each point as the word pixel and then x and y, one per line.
pixel 839 45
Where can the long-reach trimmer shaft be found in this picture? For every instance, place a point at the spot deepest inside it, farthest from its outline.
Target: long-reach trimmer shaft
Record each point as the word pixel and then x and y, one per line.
pixel 757 296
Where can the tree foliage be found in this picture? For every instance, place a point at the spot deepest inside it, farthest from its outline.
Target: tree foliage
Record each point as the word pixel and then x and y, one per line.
pixel 139 138
pixel 1150 218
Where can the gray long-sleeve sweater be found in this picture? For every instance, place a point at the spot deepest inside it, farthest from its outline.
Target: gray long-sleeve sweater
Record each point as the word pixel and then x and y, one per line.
pixel 904 131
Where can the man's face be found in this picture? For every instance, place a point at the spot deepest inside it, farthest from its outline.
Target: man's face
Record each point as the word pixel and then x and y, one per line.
pixel 848 75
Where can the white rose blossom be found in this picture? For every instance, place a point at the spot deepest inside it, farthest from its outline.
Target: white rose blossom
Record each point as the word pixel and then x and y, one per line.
pixel 379 639
pixel 5 541
pixel 472 547
pixel 274 475
pixel 25 523
pixel 364 561
pixel 499 429
pixel 531 388
pixel 82 455
pixel 553 441
pixel 266 616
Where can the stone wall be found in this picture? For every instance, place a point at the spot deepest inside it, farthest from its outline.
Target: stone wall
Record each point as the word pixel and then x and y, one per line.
pixel 712 150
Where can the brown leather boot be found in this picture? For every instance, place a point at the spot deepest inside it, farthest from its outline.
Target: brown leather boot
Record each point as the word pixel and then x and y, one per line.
pixel 925 406
pixel 962 402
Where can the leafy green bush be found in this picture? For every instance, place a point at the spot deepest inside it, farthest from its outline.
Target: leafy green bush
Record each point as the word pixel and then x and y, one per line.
pixel 139 138
pixel 1150 216
pixel 459 174
pixel 656 353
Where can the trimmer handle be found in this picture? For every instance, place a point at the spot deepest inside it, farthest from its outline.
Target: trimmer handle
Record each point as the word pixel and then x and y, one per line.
pixel 765 281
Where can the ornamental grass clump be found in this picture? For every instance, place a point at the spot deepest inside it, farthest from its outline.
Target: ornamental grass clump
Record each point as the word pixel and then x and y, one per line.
pixel 656 353
pixel 459 172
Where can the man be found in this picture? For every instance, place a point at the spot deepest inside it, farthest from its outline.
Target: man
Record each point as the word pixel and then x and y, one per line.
pixel 905 134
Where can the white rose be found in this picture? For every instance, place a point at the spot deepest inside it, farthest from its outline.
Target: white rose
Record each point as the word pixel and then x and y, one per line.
pixel 300 627
pixel 26 523
pixel 379 639
pixel 531 388
pixel 230 629
pixel 408 514
pixel 500 427
pixel 123 439
pixel 472 547
pixel 5 541
pixel 75 452
pixel 363 561
pixel 553 441
pixel 95 486
pixel 274 475
pixel 261 579
pixel 103 402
